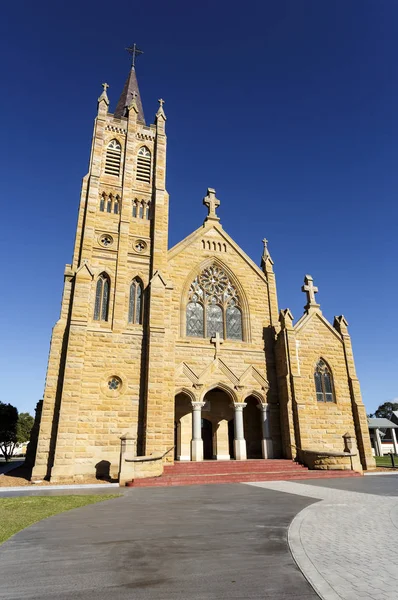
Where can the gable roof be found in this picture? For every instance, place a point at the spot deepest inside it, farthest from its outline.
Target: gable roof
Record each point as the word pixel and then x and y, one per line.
pixel 203 229
pixel 381 423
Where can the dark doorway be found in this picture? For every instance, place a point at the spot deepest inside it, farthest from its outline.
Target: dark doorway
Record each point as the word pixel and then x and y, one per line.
pixel 175 439
pixel 231 435
pixel 253 428
pixel 207 437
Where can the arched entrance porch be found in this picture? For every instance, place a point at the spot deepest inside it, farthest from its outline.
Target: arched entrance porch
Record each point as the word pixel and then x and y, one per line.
pixel 219 428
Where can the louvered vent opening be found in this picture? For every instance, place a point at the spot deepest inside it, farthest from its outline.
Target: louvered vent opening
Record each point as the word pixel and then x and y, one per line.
pixel 112 160
pixel 144 165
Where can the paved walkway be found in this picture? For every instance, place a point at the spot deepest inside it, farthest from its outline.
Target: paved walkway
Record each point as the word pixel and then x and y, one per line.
pixel 346 545
pixel 208 542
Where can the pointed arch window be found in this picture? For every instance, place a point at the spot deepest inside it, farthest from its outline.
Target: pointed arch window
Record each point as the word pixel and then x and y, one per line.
pixel 102 293
pixel 323 382
pixel 213 306
pixel 144 165
pixel 113 158
pixel 135 302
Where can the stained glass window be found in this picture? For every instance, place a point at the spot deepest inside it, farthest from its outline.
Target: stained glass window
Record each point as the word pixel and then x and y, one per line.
pixel 102 204
pixel 234 323
pixel 214 320
pixel 135 208
pixel 98 297
pixel 138 304
pixel 101 306
pixel 214 306
pixel 195 319
pixel 105 300
pixel 323 382
pixel 135 302
pixel 116 207
pixel 141 211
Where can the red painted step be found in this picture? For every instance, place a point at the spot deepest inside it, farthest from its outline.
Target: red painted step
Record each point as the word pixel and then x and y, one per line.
pixel 207 472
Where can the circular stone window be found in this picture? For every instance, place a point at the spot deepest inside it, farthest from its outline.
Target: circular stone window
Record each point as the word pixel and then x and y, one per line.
pixel 106 240
pixel 114 384
pixel 139 246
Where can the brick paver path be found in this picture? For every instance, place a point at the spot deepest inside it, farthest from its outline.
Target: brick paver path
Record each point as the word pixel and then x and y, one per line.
pixel 346 545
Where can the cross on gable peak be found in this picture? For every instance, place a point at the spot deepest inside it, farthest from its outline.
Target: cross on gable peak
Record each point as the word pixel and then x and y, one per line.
pixel 105 86
pixel 212 203
pixel 310 289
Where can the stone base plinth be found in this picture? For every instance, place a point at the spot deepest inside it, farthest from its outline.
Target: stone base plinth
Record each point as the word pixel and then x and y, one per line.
pixel 197 450
pixel 240 449
pixel 267 449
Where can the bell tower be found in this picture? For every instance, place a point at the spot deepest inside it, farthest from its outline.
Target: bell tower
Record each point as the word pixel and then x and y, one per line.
pixel 95 385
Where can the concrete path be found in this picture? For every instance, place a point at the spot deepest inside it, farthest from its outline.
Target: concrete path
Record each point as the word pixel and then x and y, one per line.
pixel 346 545
pixel 187 543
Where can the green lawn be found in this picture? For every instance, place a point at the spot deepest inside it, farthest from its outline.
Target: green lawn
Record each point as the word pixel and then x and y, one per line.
pixel 18 513
pixel 385 461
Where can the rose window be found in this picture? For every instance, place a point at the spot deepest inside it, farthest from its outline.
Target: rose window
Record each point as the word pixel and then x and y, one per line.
pixel 213 306
pixel 114 383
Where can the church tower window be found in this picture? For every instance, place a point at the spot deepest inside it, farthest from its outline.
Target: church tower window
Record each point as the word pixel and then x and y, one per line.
pixel 135 302
pixel 144 165
pixel 323 382
pixel 113 158
pixel 101 307
pixel 213 306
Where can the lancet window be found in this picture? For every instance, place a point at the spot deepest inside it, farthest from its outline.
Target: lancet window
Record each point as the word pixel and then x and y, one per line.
pixel 110 203
pixel 102 292
pixel 113 158
pixel 214 306
pixel 135 302
pixel 144 165
pixel 141 209
pixel 323 382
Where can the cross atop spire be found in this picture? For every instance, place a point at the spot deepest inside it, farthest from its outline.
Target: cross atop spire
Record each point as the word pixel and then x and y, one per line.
pixel 310 289
pixel 131 90
pixel 212 203
pixel 134 52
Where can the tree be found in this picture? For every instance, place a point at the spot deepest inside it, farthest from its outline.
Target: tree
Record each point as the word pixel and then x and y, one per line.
pixel 8 429
pixel 24 427
pixel 385 410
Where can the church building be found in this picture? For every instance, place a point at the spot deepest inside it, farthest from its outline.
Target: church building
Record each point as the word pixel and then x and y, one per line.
pixel 184 347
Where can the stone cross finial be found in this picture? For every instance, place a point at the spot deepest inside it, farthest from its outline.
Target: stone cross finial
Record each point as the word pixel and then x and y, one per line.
pixel 161 102
pixel 310 289
pixel 217 341
pixel 212 203
pixel 105 86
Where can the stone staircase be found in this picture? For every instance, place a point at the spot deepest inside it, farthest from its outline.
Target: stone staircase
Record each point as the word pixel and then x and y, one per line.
pixel 213 471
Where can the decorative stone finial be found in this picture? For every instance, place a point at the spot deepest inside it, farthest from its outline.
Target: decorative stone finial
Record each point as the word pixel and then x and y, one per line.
pixel 104 95
pixel 310 289
pixel 266 260
pixel 160 112
pixel 212 203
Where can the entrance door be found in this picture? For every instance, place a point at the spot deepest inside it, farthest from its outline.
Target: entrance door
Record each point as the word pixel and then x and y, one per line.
pixel 207 437
pixel 231 435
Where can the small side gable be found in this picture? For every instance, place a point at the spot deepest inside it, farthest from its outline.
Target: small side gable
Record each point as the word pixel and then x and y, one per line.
pixel 311 320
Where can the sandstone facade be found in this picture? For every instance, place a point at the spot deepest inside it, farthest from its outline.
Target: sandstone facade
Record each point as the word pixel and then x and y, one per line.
pixel 137 347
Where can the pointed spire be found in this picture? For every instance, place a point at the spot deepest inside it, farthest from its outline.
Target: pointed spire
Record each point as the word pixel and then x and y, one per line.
pixel 130 92
pixel 266 260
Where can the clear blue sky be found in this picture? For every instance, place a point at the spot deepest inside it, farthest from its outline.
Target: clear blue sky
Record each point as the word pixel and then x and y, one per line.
pixel 287 107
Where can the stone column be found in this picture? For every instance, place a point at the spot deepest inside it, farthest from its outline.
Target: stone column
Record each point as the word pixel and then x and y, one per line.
pixel 197 442
pixel 239 441
pixel 221 450
pixel 184 437
pixel 379 450
pixel 394 441
pixel 266 442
